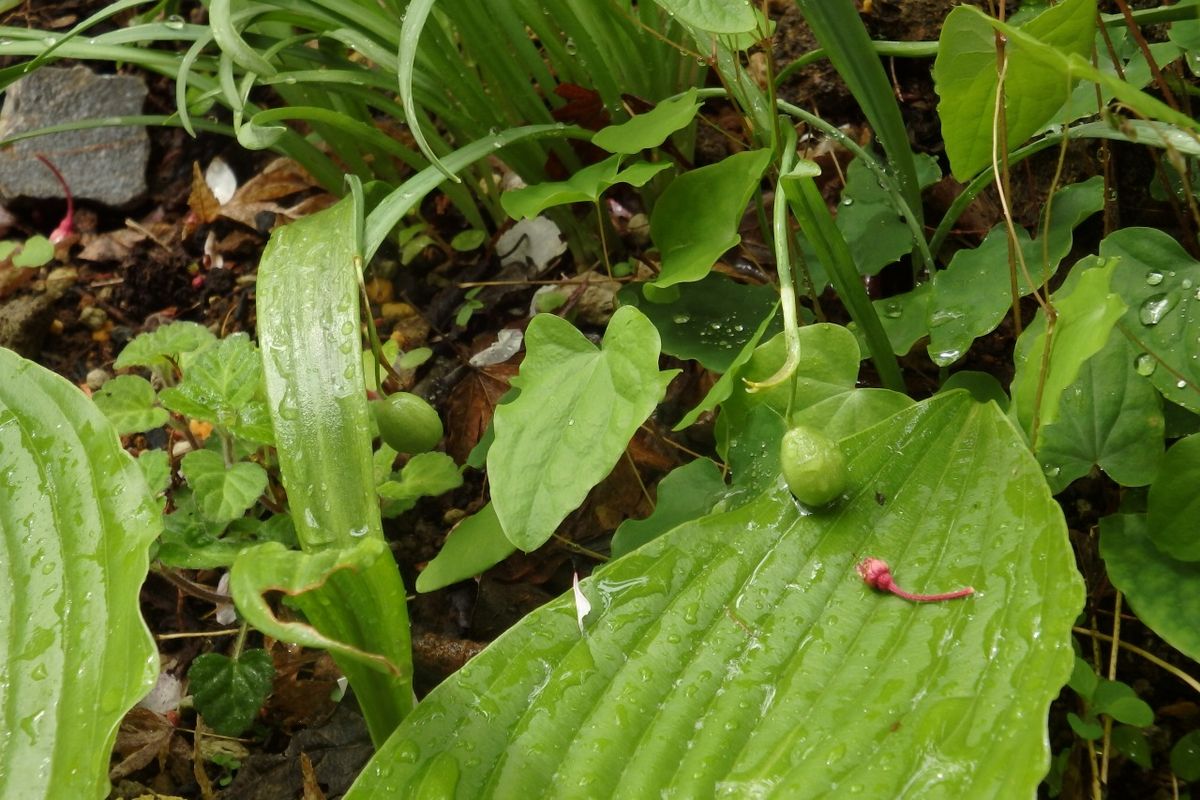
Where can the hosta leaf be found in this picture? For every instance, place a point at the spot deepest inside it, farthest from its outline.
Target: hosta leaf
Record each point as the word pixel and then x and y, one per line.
pixel 1160 282
pixel 650 129
pixel 578 408
pixel 1163 591
pixel 696 219
pixel 311 350
pixel 475 545
pixel 1111 417
pixel 228 692
pixel 76 523
pixel 1174 501
pixel 965 74
pixel 128 402
pixel 710 320
pixel 222 493
pixel 741 654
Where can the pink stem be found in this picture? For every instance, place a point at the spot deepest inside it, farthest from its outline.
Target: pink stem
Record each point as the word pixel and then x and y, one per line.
pixel 876 573
pixel 67 226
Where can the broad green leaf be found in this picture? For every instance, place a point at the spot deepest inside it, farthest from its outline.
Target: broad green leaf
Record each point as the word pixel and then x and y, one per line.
pixel 468 240
pixel 168 342
pixel 578 408
pixel 76 524
pixel 1185 756
pixel 905 317
pixel 1163 591
pixel 981 385
pixel 713 16
pixel 425 475
pixel 650 129
pixel 971 296
pixel 828 367
pixel 966 79
pixel 1120 702
pixel 156 469
pixel 710 320
pixel 848 413
pixel 228 692
pixel 128 402
pixel 584 186
pixel 1110 417
pixel 36 252
pixel 1087 311
pixel 726 384
pixel 308 328
pixel 218 383
pixel 475 545
pixel 222 493
pixel 742 651
pixel 1160 282
pixel 191 541
pixel 868 218
pixel 687 493
pixel 1133 744
pixel 696 219
pixel 1174 501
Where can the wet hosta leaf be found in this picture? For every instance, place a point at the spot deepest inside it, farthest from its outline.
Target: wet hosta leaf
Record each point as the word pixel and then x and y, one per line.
pixel 475 545
pixel 971 296
pixel 710 320
pixel 741 653
pixel 713 16
pixel 1163 591
pixel 1111 417
pixel 687 493
pixel 650 129
pixel 159 347
pixel 1174 501
pixel 578 408
pixel 696 219
pixel 1160 282
pixel 222 493
pixel 128 402
pixel 229 691
pixel 425 475
pixel 584 186
pixel 76 523
pixel 965 74
pixel 311 350
pixel 1087 311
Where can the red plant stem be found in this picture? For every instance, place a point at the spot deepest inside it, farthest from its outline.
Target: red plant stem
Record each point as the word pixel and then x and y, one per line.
pixel 67 226
pixel 876 573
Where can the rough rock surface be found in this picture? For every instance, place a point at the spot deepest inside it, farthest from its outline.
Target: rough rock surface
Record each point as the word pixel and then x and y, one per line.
pixel 107 165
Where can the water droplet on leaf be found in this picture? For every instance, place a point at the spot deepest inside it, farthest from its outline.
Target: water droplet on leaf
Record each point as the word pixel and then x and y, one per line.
pixel 1154 309
pixel 1144 364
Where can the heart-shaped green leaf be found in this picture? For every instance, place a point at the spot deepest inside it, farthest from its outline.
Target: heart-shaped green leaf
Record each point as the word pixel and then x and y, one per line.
pixel 1164 591
pixel 579 406
pixel 697 217
pixel 1174 501
pixel 584 186
pixel 741 653
pixel 76 523
pixel 162 345
pixel 218 383
pixel 965 72
pixel 425 475
pixel 1111 417
pixel 228 692
pixel 650 129
pixel 128 402
pixel 222 493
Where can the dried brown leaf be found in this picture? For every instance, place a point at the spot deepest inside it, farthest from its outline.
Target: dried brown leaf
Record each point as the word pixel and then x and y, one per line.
pixel 201 200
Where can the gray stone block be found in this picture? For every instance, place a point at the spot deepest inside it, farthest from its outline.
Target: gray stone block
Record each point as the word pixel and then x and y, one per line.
pixel 107 165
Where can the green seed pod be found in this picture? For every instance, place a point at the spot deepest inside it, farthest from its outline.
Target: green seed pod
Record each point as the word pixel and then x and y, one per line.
pixel 813 466
pixel 407 423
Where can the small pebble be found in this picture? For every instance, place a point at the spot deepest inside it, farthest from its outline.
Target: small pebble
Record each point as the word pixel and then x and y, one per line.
pixel 93 317
pixel 97 378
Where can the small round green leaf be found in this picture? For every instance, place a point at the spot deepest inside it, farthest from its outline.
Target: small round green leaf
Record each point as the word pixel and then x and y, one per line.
pixel 129 403
pixel 222 494
pixel 1185 757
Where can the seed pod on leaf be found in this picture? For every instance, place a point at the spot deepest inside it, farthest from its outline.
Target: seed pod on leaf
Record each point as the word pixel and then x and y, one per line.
pixel 407 423
pixel 813 466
